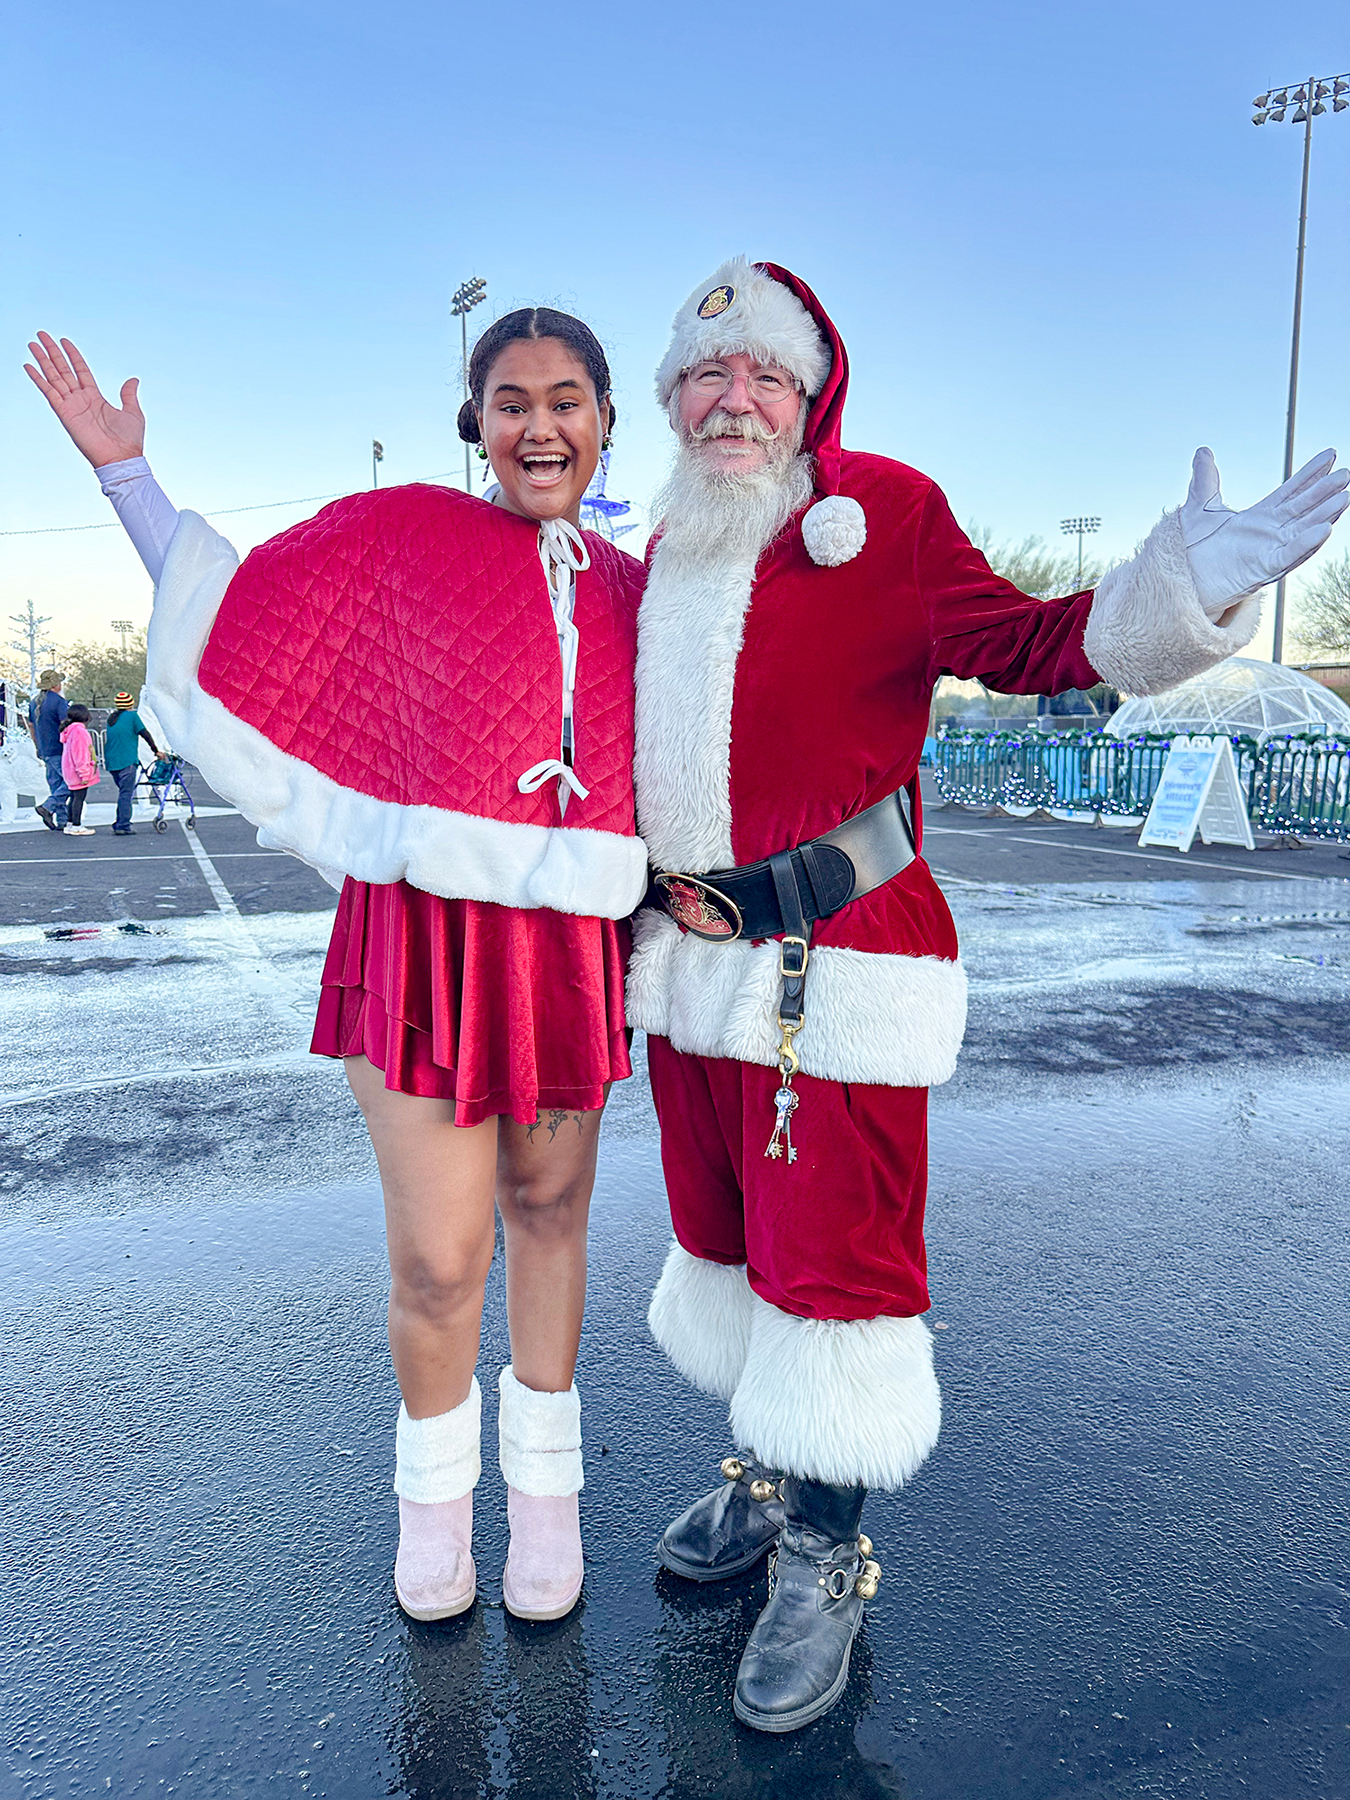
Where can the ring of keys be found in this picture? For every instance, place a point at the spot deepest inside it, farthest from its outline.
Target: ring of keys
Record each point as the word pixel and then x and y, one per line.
pixel 785 1104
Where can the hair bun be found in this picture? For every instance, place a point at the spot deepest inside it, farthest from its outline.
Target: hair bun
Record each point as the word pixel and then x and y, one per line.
pixel 468 424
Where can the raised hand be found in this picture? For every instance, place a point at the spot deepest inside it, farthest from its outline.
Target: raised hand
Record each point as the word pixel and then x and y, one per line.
pixel 1236 553
pixel 100 431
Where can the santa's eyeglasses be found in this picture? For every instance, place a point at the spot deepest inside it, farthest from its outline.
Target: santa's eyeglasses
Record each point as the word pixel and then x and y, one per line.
pixel 710 381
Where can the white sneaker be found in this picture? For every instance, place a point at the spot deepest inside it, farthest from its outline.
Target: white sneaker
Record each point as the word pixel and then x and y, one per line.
pixel 79 831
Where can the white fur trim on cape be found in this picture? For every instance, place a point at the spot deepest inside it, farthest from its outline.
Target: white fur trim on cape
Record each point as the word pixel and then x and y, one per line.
pixel 1147 630
pixel 838 1400
pixel 539 1438
pixel 834 530
pixel 896 1021
pixel 334 829
pixel 765 320
pixel 690 626
pixel 700 1316
pixel 439 1459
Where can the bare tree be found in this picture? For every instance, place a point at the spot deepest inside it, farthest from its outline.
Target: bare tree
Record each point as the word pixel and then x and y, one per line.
pixel 1322 610
pixel 95 673
pixel 1033 566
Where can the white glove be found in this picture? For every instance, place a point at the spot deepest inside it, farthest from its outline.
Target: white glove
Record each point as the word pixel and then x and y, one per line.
pixel 1233 554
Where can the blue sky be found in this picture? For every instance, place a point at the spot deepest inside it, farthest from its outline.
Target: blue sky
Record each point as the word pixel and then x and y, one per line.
pixel 1059 252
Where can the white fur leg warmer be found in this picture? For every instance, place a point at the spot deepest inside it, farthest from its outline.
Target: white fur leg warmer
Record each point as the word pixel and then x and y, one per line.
pixel 838 1400
pixel 539 1438
pixel 700 1316
pixel 439 1459
pixel 1147 630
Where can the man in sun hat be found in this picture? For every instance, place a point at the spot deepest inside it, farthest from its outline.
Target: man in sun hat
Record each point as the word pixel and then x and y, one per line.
pixel 121 756
pixel 795 965
pixel 46 719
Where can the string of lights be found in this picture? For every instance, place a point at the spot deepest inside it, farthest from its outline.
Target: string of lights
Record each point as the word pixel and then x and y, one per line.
pixel 213 512
pixel 1296 782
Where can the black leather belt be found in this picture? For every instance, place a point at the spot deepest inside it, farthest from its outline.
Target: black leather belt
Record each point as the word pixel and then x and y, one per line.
pixel 783 897
pixel 827 874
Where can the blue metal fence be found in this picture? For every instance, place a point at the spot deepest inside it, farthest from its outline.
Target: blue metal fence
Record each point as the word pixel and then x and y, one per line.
pixel 1297 784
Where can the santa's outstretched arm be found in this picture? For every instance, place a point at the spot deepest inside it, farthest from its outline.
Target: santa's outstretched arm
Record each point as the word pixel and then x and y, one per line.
pixel 1190 595
pixel 1187 598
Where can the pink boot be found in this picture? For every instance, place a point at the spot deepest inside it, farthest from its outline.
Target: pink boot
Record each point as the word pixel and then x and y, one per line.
pixel 434 1574
pixel 540 1440
pixel 436 1469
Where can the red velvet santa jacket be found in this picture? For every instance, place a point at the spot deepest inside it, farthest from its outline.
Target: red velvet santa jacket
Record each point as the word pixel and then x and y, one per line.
pixel 369 686
pixel 775 701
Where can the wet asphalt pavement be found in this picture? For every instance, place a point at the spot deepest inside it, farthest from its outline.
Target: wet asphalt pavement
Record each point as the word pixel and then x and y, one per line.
pixel 1123 1573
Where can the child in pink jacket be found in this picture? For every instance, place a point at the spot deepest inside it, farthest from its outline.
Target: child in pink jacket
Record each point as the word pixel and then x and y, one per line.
pixel 78 767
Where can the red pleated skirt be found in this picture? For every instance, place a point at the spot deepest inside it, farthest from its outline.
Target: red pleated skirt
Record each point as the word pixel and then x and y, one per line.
pixel 501 1010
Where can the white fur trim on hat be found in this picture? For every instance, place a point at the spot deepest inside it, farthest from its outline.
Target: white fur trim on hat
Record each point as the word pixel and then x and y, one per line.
pixel 539 1438
pixel 700 1316
pixel 438 1459
pixel 763 319
pixel 838 1400
pixel 834 530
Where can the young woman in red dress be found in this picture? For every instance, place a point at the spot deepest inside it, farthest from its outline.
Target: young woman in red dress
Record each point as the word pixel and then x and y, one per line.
pixel 429 697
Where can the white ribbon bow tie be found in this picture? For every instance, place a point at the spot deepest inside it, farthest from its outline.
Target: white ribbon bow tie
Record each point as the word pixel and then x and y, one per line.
pixel 561 547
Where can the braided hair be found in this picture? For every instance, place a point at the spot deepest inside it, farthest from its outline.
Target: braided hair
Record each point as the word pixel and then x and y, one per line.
pixel 527 323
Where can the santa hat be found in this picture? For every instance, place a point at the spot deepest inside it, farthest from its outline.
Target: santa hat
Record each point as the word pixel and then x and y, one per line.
pixel 765 311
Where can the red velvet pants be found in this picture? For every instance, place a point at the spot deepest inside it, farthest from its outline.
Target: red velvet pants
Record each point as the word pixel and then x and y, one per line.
pixel 838 1234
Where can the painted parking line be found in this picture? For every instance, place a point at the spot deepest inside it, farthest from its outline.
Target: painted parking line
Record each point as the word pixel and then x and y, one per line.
pixel 19 862
pixel 1194 862
pixel 244 1065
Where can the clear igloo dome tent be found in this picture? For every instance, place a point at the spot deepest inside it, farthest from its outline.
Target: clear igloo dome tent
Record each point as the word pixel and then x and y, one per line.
pixel 1254 699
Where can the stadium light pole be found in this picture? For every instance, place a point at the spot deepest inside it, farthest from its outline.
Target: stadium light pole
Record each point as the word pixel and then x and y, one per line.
pixel 462 302
pixel 1308 101
pixel 1083 528
pixel 123 627
pixel 376 458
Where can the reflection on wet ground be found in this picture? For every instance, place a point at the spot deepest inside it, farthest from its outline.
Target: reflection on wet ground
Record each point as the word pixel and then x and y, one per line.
pixel 1123 1572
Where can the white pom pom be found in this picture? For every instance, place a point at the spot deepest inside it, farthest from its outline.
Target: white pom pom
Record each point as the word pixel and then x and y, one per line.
pixel 834 530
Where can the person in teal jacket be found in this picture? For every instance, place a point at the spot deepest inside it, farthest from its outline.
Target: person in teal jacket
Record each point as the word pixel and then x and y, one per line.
pixel 121 756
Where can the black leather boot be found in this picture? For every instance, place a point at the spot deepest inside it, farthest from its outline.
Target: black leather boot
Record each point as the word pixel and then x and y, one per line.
pixel 796 1664
pixel 728 1530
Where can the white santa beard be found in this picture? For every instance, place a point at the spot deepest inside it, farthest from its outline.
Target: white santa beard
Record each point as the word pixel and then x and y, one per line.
pixel 715 526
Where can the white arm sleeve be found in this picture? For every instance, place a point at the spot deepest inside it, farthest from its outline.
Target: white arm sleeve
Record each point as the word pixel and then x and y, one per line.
pixel 148 515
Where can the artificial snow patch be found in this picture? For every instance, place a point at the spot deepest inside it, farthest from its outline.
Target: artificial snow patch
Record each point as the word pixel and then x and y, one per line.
pixel 834 530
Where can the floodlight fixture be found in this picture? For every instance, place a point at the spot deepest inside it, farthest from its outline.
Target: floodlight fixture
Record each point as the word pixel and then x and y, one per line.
pixel 1307 100
pixel 1081 528
pixel 466 296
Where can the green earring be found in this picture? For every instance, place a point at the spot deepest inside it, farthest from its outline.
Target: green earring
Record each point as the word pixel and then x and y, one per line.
pixel 606 441
pixel 482 453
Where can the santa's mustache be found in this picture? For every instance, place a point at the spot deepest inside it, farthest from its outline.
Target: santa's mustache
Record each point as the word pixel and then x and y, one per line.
pixel 719 424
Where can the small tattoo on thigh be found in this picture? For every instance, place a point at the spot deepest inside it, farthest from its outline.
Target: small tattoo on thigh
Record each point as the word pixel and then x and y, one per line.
pixel 553 1124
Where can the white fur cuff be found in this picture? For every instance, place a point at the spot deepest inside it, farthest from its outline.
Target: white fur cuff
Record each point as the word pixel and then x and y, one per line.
pixel 439 1459
pixel 838 1400
pixel 1147 630
pixel 539 1438
pixel 700 1316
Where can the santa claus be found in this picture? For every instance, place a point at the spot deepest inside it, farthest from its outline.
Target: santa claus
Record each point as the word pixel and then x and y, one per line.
pixel 796 966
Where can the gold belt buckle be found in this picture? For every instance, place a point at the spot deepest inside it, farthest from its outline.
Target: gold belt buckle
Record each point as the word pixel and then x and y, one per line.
pixel 801 955
pixel 701 909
